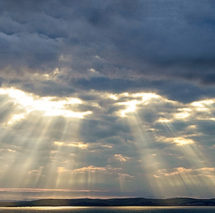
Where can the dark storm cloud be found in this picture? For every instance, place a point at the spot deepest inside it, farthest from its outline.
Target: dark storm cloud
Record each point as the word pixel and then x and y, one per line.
pixel 151 40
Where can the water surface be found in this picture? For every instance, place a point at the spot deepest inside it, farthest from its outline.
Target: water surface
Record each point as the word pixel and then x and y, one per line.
pixel 145 209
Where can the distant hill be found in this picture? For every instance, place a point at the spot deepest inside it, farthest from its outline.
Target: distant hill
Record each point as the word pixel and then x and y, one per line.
pixel 112 202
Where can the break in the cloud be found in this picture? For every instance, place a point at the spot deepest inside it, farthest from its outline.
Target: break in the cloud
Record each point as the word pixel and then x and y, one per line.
pixel 111 98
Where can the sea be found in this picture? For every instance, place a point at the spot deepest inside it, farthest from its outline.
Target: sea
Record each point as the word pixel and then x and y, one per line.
pixel 145 209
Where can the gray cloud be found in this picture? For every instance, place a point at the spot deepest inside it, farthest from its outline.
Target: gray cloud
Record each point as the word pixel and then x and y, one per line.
pixel 97 51
pixel 120 39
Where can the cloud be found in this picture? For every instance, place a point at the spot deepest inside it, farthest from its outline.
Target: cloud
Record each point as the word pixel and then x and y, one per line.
pixel 121 158
pixel 73 144
pixel 206 172
pixel 136 45
pixel 120 87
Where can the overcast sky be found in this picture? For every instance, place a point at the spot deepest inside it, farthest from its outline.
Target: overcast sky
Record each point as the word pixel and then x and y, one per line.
pixel 107 98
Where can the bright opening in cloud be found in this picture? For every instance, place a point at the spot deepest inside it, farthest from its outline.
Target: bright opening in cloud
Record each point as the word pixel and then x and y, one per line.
pixel 136 99
pixel 48 106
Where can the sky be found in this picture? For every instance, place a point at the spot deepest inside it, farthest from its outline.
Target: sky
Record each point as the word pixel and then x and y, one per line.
pixel 107 98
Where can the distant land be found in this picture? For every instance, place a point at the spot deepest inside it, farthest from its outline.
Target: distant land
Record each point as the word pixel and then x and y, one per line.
pixel 112 202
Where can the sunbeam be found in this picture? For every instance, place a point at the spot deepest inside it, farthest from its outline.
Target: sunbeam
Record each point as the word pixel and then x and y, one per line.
pixel 34 119
pixel 153 163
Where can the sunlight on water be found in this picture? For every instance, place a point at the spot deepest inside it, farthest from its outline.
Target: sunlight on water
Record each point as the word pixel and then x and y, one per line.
pixel 127 209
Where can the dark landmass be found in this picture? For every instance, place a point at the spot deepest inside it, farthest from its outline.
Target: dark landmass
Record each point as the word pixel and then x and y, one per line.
pixel 112 202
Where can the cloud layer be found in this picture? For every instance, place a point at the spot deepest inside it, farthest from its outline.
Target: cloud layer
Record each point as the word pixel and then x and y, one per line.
pixel 119 40
pixel 111 98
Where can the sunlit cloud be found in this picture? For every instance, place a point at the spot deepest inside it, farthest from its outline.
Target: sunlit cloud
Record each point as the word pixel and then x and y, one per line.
pixel 16 118
pixel 71 144
pixel 47 76
pixel 182 141
pixel 121 158
pixel 90 169
pixel 48 106
pixel 203 105
pixel 179 141
pixel 198 172
pixel 183 113
pixel 164 120
pixel 136 99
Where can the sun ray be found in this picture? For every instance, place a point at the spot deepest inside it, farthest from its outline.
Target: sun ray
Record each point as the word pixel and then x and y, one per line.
pixel 34 148
pixel 185 145
pixel 197 159
pixel 37 115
